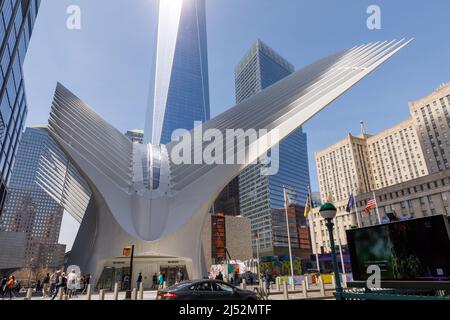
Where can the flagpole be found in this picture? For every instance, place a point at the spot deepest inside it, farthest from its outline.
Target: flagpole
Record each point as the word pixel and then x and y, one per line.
pixel 313 233
pixel 376 207
pixel 338 235
pixel 288 234
pixel 358 220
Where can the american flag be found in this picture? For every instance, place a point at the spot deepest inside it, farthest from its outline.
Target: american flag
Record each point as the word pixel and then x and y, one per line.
pixel 370 205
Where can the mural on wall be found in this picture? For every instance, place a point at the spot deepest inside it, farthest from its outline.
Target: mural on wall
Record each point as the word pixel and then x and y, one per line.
pixel 280 265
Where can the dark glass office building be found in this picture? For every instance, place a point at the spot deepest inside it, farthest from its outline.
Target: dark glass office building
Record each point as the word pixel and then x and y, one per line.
pixel 261 196
pixel 16 26
pixel 181 93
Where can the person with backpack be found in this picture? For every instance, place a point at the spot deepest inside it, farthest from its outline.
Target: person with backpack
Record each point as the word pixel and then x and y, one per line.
pixel 9 287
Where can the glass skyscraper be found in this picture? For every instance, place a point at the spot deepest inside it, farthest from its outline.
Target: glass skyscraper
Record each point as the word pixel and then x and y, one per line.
pixel 261 196
pixel 16 25
pixel 43 184
pixel 181 90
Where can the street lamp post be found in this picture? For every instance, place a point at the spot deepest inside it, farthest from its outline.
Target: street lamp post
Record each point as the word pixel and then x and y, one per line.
pixel 128 292
pixel 257 256
pixel 328 212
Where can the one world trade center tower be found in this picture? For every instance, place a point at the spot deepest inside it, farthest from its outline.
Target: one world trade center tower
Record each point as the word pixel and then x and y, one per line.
pixel 181 88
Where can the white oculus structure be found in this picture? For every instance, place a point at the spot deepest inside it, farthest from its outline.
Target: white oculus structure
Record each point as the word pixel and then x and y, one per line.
pixel 140 197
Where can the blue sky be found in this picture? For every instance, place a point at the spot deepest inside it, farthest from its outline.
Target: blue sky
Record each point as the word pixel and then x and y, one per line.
pixel 108 62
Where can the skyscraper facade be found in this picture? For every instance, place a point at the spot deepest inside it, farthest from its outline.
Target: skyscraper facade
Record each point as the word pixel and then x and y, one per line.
pixel 181 89
pixel 431 116
pixel 16 25
pixel 261 196
pixel 43 184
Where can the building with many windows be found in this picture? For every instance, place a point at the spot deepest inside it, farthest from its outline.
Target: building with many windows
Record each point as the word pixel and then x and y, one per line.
pixel 432 121
pixel 16 26
pixel 261 196
pixel 181 91
pixel 365 163
pixel 43 183
pixel 405 167
pixel 425 196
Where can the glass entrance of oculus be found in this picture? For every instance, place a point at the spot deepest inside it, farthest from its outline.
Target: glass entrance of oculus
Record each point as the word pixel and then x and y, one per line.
pixel 117 270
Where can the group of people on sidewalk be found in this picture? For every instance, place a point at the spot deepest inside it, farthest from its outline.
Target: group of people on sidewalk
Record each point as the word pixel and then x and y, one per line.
pixel 71 284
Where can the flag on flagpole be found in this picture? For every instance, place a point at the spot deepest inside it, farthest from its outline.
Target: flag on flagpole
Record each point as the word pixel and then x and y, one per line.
pixel 372 203
pixel 308 206
pixel 350 203
pixel 330 197
pixel 287 199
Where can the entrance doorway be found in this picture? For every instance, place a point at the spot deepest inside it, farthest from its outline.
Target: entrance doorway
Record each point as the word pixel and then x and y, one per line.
pixel 110 276
pixel 170 274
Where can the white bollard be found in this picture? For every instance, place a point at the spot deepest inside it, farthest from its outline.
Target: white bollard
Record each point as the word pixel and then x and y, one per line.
pixel 141 291
pixel 89 292
pixel 60 294
pixel 322 287
pixel 243 284
pixel 134 294
pixel 116 291
pixel 101 294
pixel 305 288
pixel 29 294
pixel 307 283
pixel 45 291
pixel 285 291
pixel 278 285
pixel 344 281
pixel 333 282
pixel 164 285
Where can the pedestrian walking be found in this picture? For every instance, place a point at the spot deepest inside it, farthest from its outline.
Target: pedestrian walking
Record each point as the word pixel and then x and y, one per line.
pixel 155 281
pixel 71 283
pixel 3 285
pixel 78 284
pixel 60 283
pixel 53 282
pixel 126 282
pixel 139 280
pixel 9 287
pixel 86 281
pixel 45 285
pixel 160 281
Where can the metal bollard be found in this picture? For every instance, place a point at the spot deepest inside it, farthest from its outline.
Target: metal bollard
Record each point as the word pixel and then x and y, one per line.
pixel 164 285
pixel 89 292
pixel 305 288
pixel 29 294
pixel 278 286
pixel 101 294
pixel 285 291
pixel 134 294
pixel 307 283
pixel 322 287
pixel 243 285
pixel 141 291
pixel 116 291
pixel 344 281
pixel 333 282
pixel 293 285
pixel 60 294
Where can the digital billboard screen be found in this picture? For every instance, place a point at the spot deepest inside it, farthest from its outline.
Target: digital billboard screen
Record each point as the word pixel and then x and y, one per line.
pixel 412 250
